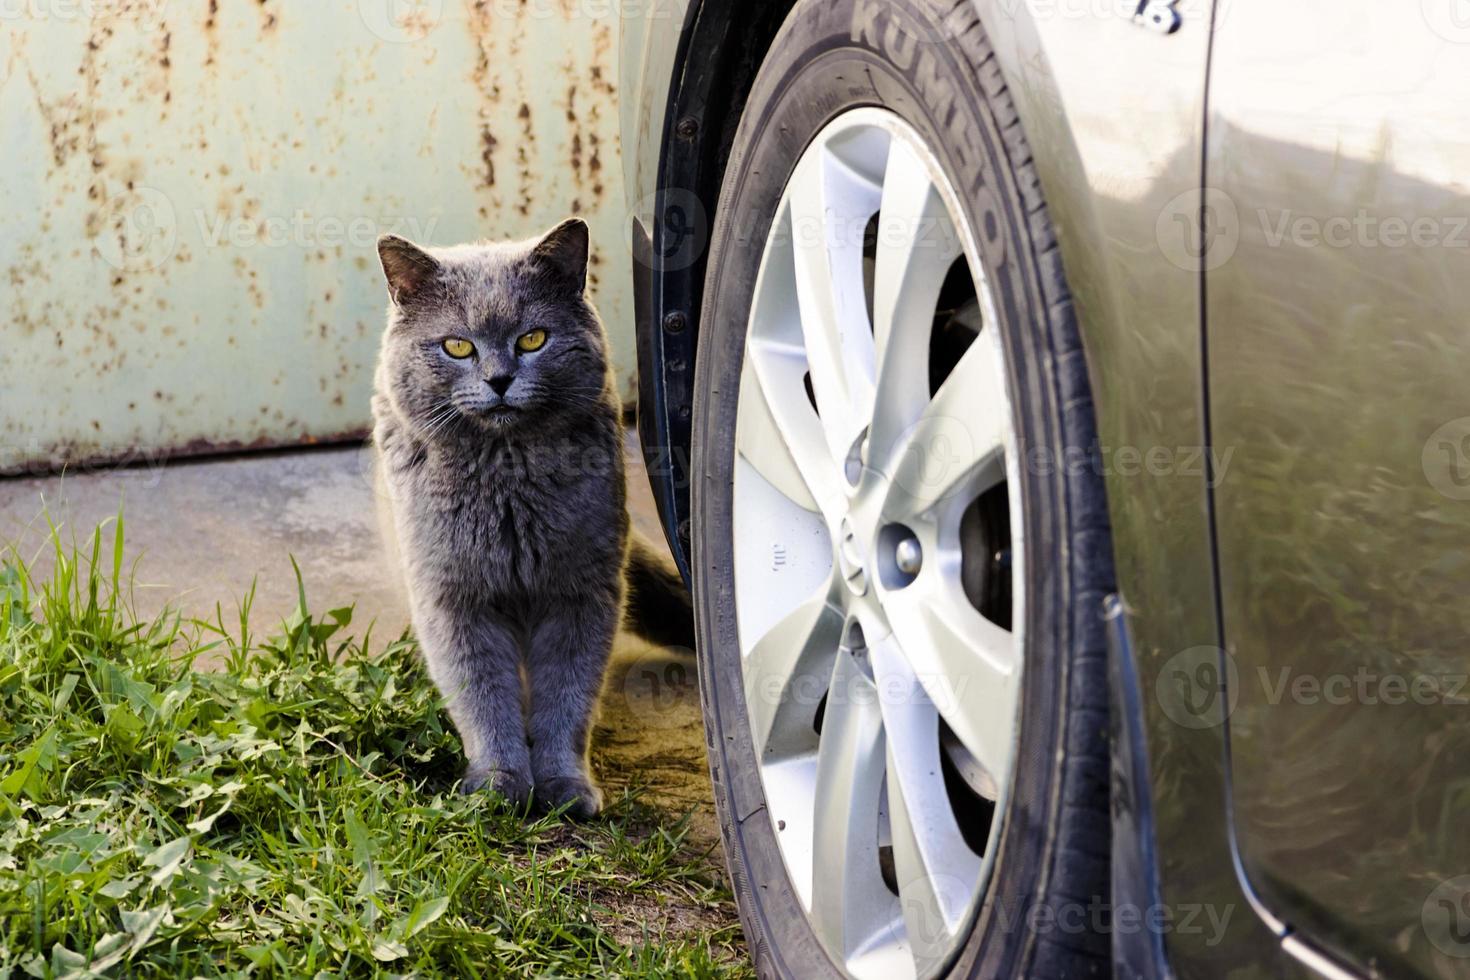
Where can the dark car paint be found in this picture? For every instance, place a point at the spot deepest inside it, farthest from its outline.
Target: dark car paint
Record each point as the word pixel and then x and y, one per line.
pixel 1335 358
pixel 1138 954
pixel 1117 117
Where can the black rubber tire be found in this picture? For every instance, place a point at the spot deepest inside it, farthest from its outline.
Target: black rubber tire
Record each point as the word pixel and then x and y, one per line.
pixel 1054 849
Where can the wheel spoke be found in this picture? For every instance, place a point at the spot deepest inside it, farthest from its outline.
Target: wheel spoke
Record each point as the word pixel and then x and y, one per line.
pixel 786 674
pixel 935 869
pixel 968 666
pixel 826 197
pixel 779 434
pixel 959 442
pixel 917 244
pixel 851 906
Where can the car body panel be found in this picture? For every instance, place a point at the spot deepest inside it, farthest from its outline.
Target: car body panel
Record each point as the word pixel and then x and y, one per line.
pixel 1114 113
pixel 649 48
pixel 650 43
pixel 1338 281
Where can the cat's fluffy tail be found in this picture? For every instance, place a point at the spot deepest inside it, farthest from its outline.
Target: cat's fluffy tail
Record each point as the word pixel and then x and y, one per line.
pixel 658 606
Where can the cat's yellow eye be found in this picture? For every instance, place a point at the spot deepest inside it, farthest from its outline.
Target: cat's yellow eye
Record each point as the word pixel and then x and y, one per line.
pixel 458 347
pixel 531 340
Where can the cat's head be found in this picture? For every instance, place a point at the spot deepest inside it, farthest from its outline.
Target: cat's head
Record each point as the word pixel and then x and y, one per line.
pixel 492 336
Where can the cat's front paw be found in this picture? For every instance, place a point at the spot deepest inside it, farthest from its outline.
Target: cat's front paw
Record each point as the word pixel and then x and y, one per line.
pixel 580 792
pixel 514 787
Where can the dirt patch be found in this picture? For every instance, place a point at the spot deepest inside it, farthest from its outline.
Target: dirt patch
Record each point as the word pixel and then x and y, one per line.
pixel 650 736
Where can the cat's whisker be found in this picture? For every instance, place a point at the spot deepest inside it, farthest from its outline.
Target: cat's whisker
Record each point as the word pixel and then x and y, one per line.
pixel 443 423
pixel 439 420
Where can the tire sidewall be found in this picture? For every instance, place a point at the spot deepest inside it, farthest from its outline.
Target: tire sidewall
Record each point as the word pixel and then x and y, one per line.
pixel 831 57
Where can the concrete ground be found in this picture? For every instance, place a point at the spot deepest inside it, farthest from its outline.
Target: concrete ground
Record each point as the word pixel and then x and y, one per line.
pixel 201 531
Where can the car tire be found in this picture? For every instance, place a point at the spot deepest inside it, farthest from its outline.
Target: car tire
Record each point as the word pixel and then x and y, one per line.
pixel 1043 912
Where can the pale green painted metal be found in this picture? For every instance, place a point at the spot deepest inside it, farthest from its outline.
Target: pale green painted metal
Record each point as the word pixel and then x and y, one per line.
pixel 190 195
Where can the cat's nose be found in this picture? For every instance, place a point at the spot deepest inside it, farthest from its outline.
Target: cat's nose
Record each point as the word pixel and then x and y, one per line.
pixel 500 384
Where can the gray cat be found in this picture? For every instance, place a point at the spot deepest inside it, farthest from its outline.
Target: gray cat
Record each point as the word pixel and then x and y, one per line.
pixel 500 453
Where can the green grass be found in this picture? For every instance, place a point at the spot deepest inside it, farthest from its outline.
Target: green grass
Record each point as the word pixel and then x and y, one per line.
pixel 291 812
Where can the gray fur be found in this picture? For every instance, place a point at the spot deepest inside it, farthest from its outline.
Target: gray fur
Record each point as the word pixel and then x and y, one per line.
pixel 511 524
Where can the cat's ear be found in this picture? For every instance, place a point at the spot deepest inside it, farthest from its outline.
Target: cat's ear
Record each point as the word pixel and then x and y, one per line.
pixel 563 252
pixel 407 267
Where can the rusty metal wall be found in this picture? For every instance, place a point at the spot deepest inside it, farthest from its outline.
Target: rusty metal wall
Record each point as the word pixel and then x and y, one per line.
pixel 191 190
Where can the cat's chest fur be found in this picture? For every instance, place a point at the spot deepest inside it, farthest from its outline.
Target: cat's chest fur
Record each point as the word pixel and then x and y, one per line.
pixel 516 525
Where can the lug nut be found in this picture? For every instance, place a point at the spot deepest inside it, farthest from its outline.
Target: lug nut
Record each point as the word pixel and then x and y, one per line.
pixel 909 556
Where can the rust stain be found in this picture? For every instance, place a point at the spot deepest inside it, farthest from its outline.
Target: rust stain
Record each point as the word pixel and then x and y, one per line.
pixel 586 120
pixel 63 118
pixel 488 143
pixel 601 84
pixel 487 89
pixel 594 166
pixel 523 157
pixel 211 34
pixel 574 145
pixel 72 456
pixel 165 68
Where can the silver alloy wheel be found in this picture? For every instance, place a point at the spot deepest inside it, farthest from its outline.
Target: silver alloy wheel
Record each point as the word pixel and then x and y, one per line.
pixel 881 698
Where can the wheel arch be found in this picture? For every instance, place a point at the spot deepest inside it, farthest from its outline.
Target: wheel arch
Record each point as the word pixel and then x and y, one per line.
pixel 721 45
